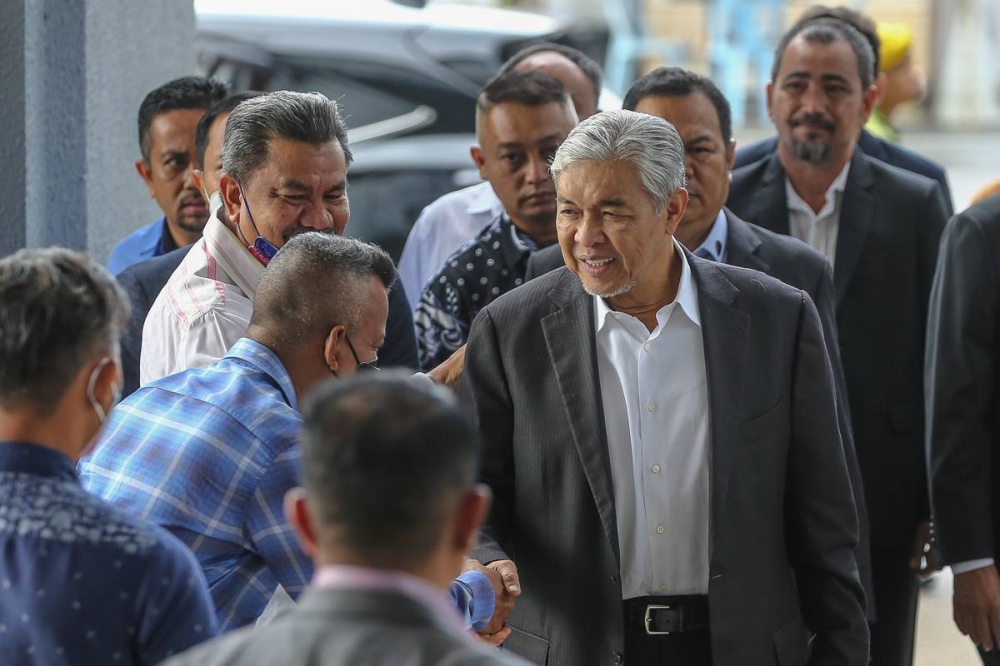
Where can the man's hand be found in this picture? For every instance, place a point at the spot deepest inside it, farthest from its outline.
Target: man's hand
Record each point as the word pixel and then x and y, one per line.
pixel 449 373
pixel 977 605
pixel 926 558
pixel 506 587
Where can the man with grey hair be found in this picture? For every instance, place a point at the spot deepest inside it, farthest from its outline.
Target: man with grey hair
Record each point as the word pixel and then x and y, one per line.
pixel 660 435
pixel 82 580
pixel 879 227
pixel 209 453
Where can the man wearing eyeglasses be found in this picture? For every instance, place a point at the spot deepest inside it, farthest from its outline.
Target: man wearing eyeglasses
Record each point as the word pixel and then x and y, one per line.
pixel 209 453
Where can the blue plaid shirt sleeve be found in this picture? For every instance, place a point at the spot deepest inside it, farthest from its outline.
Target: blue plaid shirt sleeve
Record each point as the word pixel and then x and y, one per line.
pixel 269 531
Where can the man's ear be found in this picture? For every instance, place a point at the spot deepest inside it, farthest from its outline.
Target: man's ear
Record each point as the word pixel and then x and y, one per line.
pixel 335 340
pixel 229 188
pixel 870 100
pixel 731 153
pixel 674 210
pixel 472 512
pixel 145 172
pixel 480 160
pixel 769 94
pixel 298 514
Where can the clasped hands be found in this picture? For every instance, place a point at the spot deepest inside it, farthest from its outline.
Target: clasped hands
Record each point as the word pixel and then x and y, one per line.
pixel 502 574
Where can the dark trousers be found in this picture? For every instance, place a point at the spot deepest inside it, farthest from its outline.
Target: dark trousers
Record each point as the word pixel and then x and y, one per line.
pixel 688 648
pixel 896 592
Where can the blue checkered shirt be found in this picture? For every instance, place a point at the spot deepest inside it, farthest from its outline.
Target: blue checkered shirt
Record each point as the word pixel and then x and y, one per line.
pixel 209 454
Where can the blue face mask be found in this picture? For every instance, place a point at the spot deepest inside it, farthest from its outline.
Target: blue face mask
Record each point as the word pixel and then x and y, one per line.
pixel 261 248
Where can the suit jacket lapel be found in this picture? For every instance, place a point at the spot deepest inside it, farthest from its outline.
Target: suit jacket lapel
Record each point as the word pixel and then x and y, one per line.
pixel 856 210
pixel 769 206
pixel 725 331
pixel 743 245
pixel 575 367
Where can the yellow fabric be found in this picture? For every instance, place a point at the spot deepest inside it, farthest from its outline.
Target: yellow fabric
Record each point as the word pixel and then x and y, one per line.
pixel 897 40
pixel 879 125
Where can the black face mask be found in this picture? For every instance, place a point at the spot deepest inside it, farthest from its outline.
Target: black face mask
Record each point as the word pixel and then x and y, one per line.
pixel 362 367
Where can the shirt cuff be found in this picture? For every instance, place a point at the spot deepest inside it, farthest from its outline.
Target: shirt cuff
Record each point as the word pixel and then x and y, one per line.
pixel 971 565
pixel 481 601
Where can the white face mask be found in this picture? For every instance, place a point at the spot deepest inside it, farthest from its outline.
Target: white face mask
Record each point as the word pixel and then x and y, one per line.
pixel 115 397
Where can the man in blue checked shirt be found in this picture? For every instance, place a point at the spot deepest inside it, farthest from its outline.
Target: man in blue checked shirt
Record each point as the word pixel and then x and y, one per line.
pixel 209 453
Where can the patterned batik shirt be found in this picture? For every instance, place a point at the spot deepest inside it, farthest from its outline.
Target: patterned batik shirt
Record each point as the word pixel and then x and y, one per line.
pixel 82 582
pixel 489 265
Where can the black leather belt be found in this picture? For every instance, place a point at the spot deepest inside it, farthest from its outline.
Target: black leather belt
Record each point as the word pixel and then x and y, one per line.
pixel 662 616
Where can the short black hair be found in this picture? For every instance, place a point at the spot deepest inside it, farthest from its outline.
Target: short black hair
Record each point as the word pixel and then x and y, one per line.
pixel 680 82
pixel 826 31
pixel 587 64
pixel 860 22
pixel 386 458
pixel 225 105
pixel 57 310
pixel 531 88
pixel 187 92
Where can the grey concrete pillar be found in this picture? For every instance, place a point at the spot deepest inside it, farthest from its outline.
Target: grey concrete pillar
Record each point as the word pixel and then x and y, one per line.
pixel 73 73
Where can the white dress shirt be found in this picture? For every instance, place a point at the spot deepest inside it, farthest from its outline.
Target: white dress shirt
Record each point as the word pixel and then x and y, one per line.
pixel 655 399
pixel 820 229
pixel 204 308
pixel 444 226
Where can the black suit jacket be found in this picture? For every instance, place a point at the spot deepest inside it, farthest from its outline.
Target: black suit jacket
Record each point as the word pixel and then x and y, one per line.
pixel 890 227
pixel 782 526
pixel 873 146
pixel 800 266
pixel 144 281
pixel 963 386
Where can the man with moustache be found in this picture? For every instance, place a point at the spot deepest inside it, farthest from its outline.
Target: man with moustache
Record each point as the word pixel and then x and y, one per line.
pixel 880 227
pixel 521 118
pixel 700 113
pixel 168 117
pixel 453 219
pixel 660 436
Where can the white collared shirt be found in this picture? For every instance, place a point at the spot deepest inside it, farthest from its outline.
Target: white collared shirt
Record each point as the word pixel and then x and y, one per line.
pixel 820 229
pixel 204 308
pixel 655 398
pixel 444 226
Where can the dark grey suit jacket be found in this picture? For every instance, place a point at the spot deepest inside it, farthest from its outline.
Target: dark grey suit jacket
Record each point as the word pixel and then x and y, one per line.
pixel 872 146
pixel 783 526
pixel 344 627
pixel 144 281
pixel 963 386
pixel 890 227
pixel 798 265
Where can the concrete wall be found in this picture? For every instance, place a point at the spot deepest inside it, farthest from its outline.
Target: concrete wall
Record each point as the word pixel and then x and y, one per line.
pixel 73 74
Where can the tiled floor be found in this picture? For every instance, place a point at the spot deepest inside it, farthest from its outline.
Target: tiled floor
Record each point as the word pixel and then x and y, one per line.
pixel 939 642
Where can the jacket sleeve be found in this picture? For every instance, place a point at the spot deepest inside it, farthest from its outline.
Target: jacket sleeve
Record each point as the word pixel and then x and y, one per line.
pixel 961 388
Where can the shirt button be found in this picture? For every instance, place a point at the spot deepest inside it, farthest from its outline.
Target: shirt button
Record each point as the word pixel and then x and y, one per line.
pixel 646 347
pixel 663 588
pixel 660 529
pixel 651 406
pixel 655 469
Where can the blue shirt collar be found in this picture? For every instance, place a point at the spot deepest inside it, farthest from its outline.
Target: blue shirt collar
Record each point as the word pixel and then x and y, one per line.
pixel 166 241
pixel 714 246
pixel 252 352
pixel 28 458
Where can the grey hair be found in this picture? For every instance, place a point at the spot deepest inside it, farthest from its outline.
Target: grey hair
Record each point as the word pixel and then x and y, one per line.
pixel 826 30
pixel 58 310
pixel 316 281
pixel 295 116
pixel 650 144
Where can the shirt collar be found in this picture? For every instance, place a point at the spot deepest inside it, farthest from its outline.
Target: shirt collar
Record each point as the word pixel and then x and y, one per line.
pixel 687 297
pixel 713 247
pixel 232 255
pixel 515 245
pixel 485 201
pixel 166 242
pixel 366 578
pixel 836 187
pixel 265 360
pixel 28 458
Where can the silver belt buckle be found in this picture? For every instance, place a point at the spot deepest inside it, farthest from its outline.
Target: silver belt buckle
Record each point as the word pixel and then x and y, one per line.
pixel 648 619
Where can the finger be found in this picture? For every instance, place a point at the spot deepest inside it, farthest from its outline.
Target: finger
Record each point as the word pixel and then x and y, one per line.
pixel 994 624
pixel 508 571
pixel 980 633
pixel 496 639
